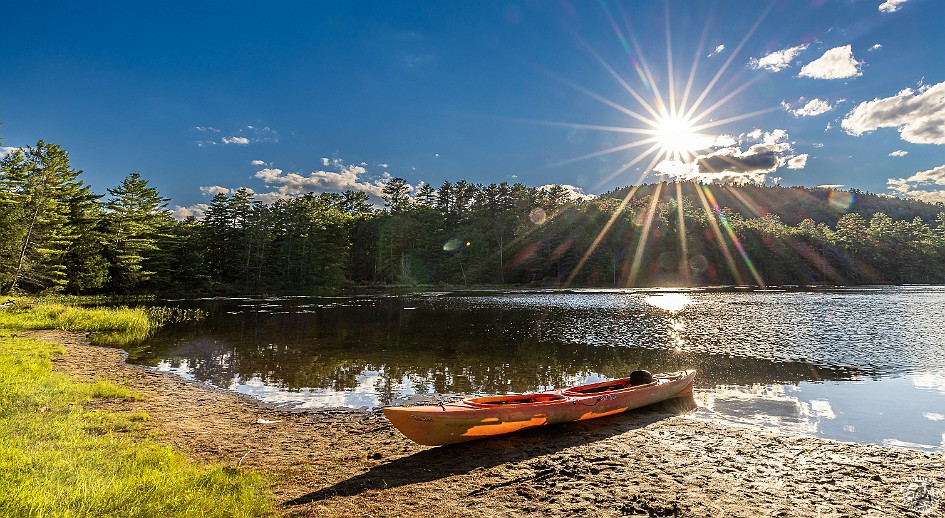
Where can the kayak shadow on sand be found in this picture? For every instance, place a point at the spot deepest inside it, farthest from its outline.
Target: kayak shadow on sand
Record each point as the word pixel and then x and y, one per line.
pixel 456 459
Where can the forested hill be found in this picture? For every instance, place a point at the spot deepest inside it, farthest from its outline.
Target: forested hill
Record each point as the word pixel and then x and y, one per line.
pixel 58 235
pixel 793 204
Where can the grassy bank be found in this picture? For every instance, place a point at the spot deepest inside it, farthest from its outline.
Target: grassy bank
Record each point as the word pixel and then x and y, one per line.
pixel 60 458
pixel 107 325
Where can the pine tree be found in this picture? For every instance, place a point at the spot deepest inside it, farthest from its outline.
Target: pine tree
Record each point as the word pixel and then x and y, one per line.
pixel 36 187
pixel 136 216
pixel 86 265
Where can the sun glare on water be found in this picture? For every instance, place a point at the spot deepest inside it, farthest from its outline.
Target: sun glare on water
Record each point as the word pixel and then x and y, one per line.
pixel 671 302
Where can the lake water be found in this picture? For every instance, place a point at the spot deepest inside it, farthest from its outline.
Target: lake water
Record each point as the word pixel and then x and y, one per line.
pixel 858 364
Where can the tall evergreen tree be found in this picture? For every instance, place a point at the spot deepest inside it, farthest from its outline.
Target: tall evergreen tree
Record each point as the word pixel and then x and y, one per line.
pixel 136 216
pixel 37 185
pixel 86 265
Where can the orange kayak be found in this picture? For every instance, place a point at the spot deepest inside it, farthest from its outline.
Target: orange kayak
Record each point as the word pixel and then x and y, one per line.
pixel 480 417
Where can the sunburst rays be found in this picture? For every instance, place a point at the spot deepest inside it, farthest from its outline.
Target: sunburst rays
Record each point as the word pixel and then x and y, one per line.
pixel 669 129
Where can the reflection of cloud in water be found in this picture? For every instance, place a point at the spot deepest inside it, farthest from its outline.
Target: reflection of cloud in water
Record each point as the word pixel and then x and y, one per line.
pixel 183 368
pixel 363 395
pixel 929 381
pixel 767 406
pixel 905 444
pixel 933 416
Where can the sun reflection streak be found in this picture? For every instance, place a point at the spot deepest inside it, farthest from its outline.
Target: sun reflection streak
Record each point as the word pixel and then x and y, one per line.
pixel 728 62
pixel 683 244
pixel 734 238
pixel 717 232
pixel 644 234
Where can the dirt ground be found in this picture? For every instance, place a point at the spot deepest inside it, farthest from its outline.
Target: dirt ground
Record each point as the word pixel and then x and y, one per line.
pixel 651 462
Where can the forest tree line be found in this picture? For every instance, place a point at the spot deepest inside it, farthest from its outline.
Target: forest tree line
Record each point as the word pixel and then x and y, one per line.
pixel 57 235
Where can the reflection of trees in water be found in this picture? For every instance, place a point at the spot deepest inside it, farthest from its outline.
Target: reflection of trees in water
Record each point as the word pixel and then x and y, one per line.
pixel 444 350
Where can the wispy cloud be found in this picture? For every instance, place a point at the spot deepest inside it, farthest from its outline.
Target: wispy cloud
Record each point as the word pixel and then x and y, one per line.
pixel 778 60
pixel 927 186
pixel 891 6
pixel 836 63
pixel 899 153
pixel 875 47
pixel 241 136
pixel 718 50
pixel 918 115
pixel 809 109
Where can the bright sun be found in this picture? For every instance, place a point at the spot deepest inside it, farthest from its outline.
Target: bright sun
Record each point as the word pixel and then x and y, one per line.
pixel 676 136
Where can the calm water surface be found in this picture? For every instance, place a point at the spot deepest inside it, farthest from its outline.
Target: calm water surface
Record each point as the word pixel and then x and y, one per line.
pixel 859 364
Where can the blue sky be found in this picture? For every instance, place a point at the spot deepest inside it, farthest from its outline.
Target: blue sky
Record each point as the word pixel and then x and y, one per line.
pixel 287 98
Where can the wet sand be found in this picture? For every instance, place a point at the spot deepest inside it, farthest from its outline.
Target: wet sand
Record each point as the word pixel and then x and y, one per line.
pixel 649 462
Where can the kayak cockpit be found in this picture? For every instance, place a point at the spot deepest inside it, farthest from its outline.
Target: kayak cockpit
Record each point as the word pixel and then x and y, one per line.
pixel 606 386
pixel 517 400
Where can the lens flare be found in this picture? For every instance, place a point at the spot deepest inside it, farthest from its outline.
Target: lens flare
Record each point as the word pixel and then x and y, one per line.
pixel 455 244
pixel 538 215
pixel 841 200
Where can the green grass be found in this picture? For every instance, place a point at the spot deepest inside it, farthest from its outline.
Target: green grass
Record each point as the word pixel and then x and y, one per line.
pixel 58 458
pixel 109 326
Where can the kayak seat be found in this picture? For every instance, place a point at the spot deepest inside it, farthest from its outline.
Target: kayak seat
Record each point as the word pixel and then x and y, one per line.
pixel 640 377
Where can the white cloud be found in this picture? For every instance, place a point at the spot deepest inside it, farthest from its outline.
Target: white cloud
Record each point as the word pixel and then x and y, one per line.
pixel 836 63
pixel 919 116
pixel 325 161
pixel 344 178
pixel 4 151
pixel 899 152
pixel 766 153
pixel 574 193
pixel 831 186
pixel 197 211
pixel 213 190
pixel 928 186
pixel 206 129
pixel 718 50
pixel 812 108
pixel 724 141
pixel 797 162
pixel 778 60
pixel 385 166
pixel 242 141
pixel 876 47
pixel 257 162
pixel 891 6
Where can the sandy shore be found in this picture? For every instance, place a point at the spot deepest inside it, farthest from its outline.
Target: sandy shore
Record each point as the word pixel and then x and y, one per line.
pixel 646 463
